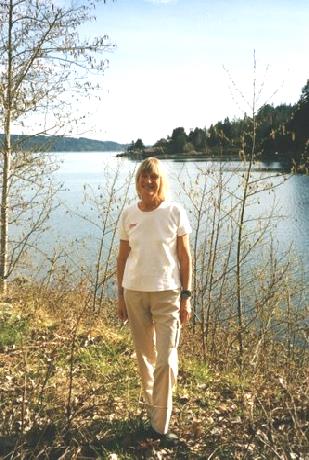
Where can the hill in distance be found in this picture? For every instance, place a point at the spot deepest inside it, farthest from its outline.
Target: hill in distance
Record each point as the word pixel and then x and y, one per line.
pixel 62 144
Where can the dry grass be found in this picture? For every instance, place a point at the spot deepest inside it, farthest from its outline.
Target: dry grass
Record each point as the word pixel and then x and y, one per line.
pixel 70 390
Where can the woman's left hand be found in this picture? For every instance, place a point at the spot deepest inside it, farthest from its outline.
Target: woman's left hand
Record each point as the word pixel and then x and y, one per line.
pixel 185 311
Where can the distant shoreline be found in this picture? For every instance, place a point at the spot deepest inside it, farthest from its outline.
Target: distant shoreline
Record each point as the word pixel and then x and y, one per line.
pixel 228 155
pixel 286 164
pixel 62 144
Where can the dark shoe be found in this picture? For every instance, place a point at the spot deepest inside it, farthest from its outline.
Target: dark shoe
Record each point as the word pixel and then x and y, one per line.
pixel 166 440
pixel 169 440
pixel 150 433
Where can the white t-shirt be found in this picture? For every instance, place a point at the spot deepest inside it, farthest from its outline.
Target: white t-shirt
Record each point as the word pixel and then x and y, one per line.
pixel 153 263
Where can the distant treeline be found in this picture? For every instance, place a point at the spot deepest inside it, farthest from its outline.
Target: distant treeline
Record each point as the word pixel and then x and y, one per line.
pixel 280 131
pixel 61 144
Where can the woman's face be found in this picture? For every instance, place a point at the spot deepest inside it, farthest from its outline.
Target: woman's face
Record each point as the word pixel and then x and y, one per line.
pixel 148 185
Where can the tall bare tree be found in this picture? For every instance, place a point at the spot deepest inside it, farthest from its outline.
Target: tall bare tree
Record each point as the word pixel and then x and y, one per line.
pixel 44 68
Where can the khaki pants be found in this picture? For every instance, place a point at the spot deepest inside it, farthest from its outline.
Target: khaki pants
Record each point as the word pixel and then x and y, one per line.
pixel 155 327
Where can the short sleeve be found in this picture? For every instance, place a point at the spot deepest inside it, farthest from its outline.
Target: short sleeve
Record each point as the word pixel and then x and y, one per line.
pixel 184 226
pixel 123 234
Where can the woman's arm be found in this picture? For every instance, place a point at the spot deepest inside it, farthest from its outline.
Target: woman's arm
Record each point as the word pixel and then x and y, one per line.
pixel 185 262
pixel 123 254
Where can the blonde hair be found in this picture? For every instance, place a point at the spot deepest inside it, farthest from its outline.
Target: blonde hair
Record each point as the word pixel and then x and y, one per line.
pixel 152 165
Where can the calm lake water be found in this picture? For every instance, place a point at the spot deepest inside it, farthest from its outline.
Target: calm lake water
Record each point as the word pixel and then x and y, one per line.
pixel 69 229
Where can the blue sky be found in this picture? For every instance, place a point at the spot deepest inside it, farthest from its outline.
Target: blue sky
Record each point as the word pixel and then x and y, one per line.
pixel 167 69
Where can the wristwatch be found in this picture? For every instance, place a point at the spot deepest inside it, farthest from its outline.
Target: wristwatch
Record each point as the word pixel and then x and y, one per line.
pixel 185 294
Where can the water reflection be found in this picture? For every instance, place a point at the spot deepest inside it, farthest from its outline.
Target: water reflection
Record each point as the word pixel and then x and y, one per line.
pixel 291 195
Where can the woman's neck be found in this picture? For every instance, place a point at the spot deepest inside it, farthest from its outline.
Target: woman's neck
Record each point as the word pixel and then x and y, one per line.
pixel 149 205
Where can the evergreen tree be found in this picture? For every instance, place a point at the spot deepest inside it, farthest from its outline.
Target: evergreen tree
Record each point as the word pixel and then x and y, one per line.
pixel 178 140
pixel 299 124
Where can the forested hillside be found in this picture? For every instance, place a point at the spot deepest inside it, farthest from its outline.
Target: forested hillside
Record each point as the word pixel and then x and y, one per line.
pixel 281 131
pixel 62 144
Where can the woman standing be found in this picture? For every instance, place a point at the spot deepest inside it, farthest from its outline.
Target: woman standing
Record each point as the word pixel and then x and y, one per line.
pixel 154 280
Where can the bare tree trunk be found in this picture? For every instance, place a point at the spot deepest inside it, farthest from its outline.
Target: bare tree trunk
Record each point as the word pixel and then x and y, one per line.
pixel 6 164
pixel 40 52
pixel 4 221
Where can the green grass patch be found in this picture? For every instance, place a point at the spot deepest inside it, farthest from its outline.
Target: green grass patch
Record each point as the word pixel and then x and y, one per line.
pixel 94 361
pixel 106 361
pixel 13 328
pixel 196 371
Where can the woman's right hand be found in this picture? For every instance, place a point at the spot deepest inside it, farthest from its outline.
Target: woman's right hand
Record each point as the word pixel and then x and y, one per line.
pixel 122 309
